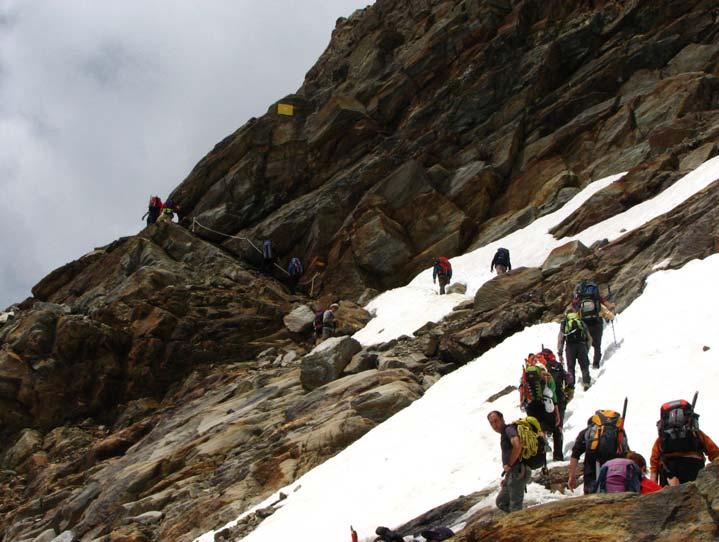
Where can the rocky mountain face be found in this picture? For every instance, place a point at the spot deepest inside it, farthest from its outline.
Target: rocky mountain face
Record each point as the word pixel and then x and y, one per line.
pixel 158 386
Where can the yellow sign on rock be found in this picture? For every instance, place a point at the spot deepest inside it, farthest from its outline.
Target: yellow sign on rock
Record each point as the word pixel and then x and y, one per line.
pixel 285 109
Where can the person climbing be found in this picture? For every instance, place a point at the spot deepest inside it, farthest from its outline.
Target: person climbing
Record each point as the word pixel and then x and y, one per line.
pixel 294 270
pixel 574 333
pixel 387 535
pixel 329 321
pixel 564 388
pixel 619 475
pixel 501 263
pixel 647 485
pixel 168 211
pixel 603 439
pixel 537 394
pixel 153 210
pixel 516 474
pixel 681 446
pixel 319 319
pixel 268 256
pixel 591 307
pixel 442 270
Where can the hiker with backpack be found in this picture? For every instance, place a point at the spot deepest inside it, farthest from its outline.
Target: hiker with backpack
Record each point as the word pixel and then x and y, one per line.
pixel 329 321
pixel 516 472
pixel 153 210
pixel 603 439
pixel 442 270
pixel 564 390
pixel 501 263
pixel 646 485
pixel 588 302
pixel 268 256
pixel 681 446
pixel 538 395
pixel 294 270
pixel 574 334
pixel 319 319
pixel 168 211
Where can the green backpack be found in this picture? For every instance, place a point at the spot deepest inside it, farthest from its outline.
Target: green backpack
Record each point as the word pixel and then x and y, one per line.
pixel 574 328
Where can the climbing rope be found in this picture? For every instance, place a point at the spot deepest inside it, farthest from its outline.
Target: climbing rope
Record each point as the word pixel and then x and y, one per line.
pixel 196 223
pixel 528 437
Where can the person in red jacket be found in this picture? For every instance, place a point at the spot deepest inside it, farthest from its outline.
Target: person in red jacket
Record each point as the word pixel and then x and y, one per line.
pixel 647 485
pixel 684 465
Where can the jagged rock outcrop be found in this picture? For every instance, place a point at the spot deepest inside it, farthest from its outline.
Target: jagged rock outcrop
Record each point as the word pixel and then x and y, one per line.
pixel 429 126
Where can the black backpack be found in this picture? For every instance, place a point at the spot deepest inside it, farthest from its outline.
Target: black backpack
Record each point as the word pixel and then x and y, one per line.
pixel 502 257
pixel 678 427
pixel 587 300
pixel 556 369
pixel 319 321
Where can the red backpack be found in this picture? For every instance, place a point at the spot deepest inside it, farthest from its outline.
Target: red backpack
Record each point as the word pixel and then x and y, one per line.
pixel 155 201
pixel 444 266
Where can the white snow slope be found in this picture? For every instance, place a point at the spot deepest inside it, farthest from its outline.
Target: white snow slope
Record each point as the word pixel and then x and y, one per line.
pixel 441 446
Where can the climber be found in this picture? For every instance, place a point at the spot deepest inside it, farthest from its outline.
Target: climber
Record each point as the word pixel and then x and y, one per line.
pixel 153 210
pixel 681 446
pixel 268 256
pixel 593 310
pixel 603 439
pixel 575 334
pixel 168 211
pixel 501 263
pixel 647 485
pixel 564 389
pixel 386 535
pixel 443 270
pixel 329 321
pixel 538 395
pixel 516 474
pixel 294 270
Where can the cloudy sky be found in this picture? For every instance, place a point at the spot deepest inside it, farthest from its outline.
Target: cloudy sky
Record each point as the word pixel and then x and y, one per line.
pixel 103 103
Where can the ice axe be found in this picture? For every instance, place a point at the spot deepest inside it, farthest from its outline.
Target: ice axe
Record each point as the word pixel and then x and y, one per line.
pixel 624 409
pixel 694 400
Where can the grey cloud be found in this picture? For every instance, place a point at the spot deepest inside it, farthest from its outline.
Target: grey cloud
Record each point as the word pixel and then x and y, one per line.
pixel 104 103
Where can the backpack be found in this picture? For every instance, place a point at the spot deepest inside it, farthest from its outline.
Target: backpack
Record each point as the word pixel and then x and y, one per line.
pixel 295 267
pixel 619 475
pixel 502 257
pixel 533 443
pixel 319 321
pixel 532 385
pixel 573 328
pixel 445 268
pixel 678 427
pixel 587 301
pixel 155 202
pixel 558 374
pixel 267 249
pixel 605 438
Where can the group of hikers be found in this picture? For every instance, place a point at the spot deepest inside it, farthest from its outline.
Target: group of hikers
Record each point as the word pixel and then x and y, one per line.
pixel 159 211
pixel 610 465
pixel 442 268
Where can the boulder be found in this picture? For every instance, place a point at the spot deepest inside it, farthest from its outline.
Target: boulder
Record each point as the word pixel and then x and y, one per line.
pixel 362 361
pixel 382 402
pixel 30 441
pixel 327 361
pixel 564 255
pixel 300 319
pixel 457 288
pixel 503 288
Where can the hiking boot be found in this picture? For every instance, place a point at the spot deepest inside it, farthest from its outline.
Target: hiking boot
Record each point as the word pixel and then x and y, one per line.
pixel 595 366
pixel 558 457
pixel 586 386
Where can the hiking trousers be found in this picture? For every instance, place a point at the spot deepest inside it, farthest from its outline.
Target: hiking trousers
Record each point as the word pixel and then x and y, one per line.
pixel 511 494
pixel 596 328
pixel 685 468
pixel 577 352
pixel 443 281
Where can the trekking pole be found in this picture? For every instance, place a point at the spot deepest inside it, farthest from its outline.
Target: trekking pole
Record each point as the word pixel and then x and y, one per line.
pixel 694 401
pixel 614 333
pixel 624 410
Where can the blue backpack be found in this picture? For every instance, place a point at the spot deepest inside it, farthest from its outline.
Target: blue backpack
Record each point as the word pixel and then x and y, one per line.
pixel 267 249
pixel 295 267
